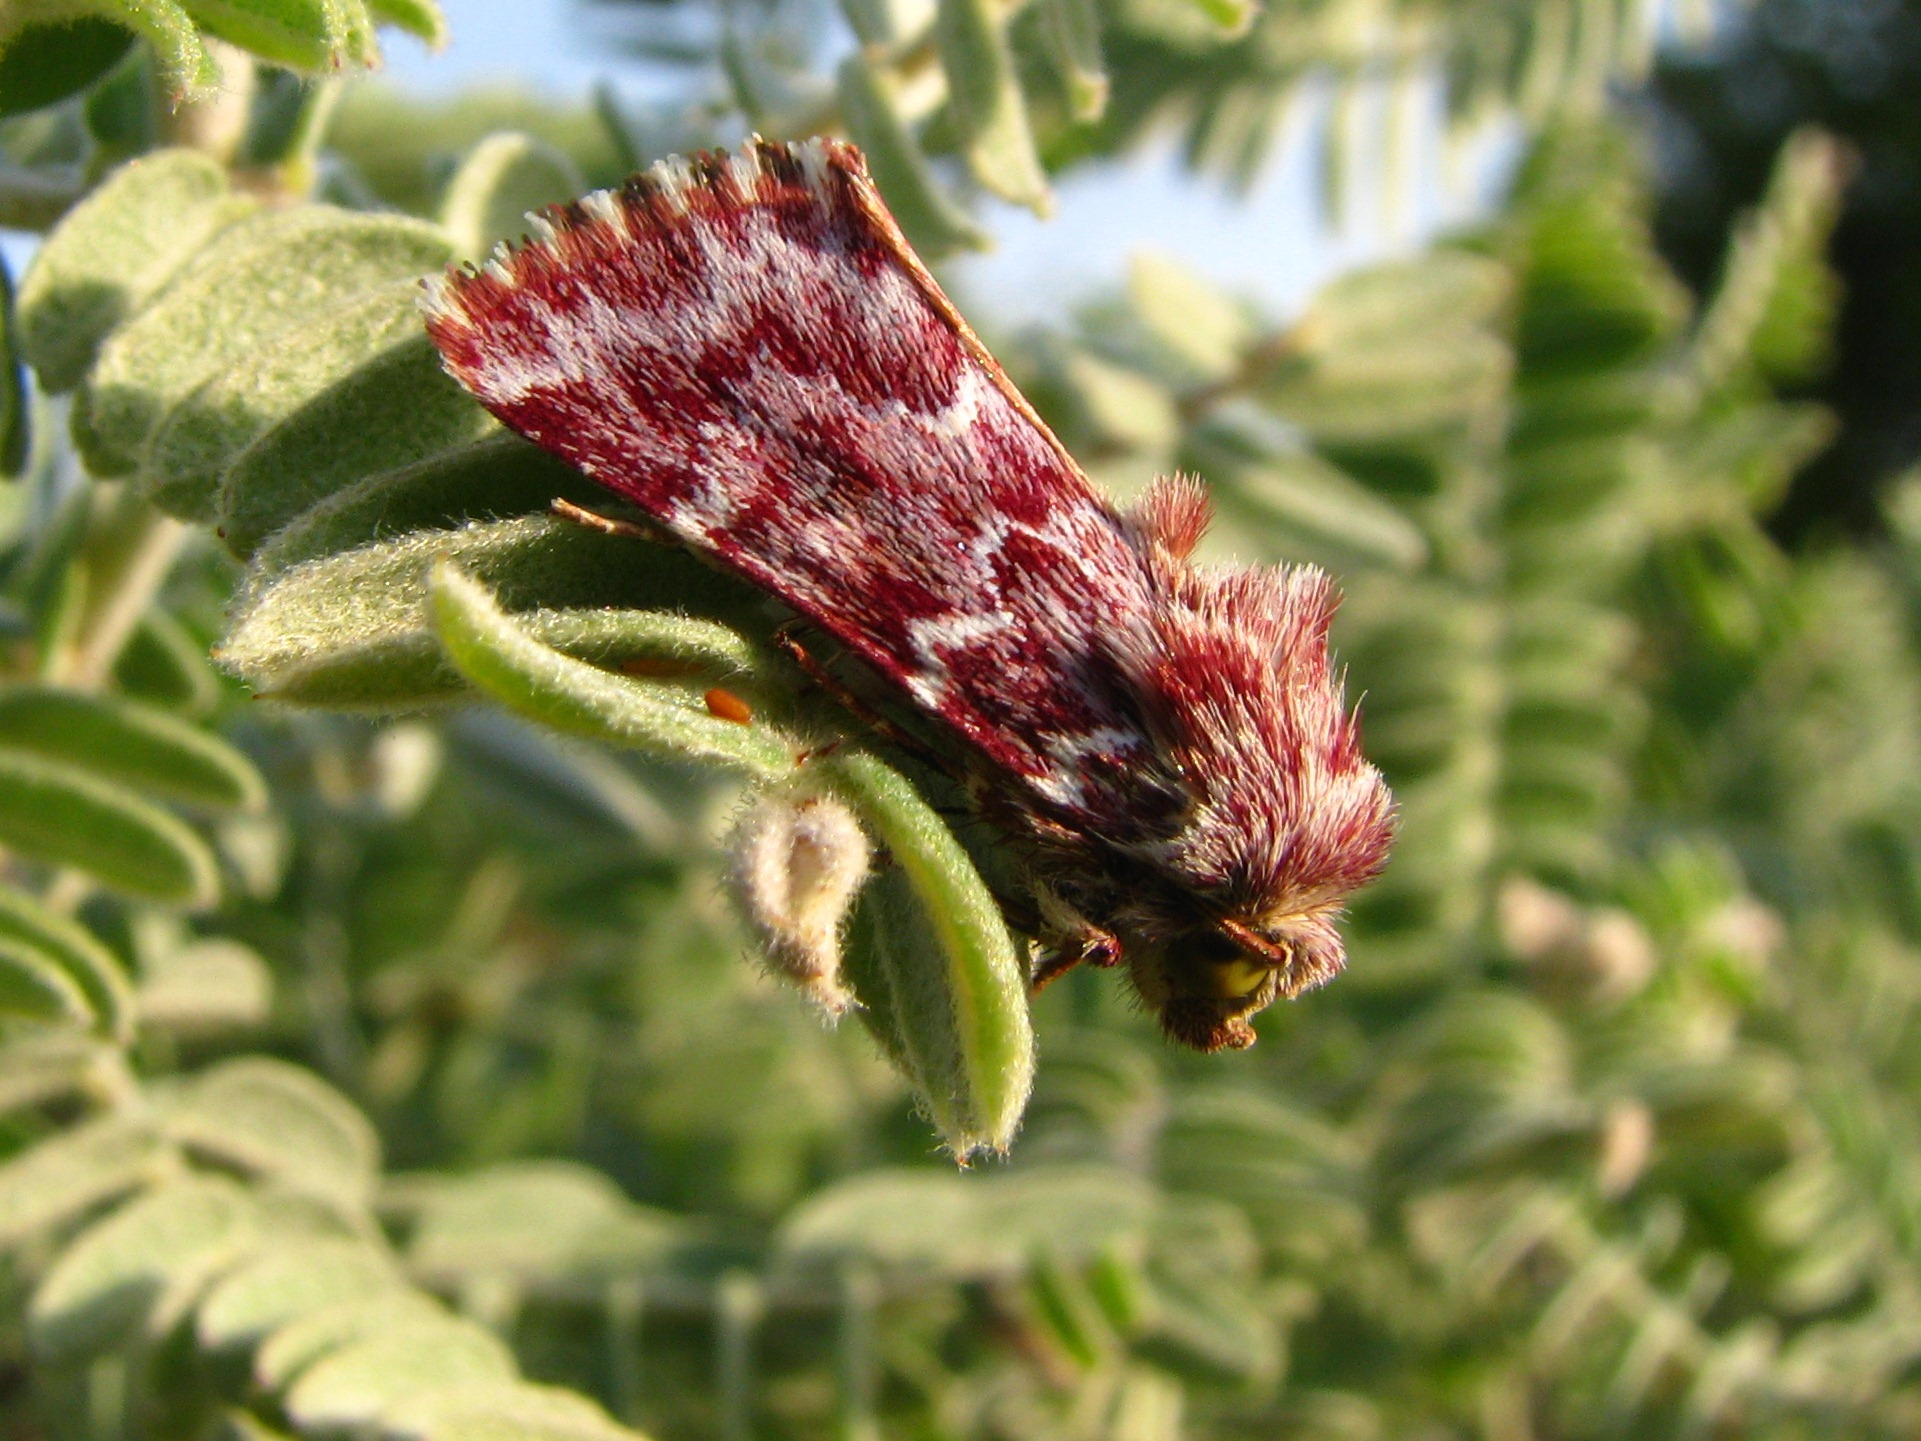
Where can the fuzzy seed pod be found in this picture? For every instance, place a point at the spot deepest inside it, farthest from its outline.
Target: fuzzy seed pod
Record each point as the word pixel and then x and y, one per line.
pixel 798 862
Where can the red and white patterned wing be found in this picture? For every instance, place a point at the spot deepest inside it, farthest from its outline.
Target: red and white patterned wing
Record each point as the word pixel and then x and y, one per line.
pixel 745 348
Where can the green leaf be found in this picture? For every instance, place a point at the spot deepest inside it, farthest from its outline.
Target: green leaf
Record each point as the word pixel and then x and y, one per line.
pixel 88 964
pixel 277 1121
pixel 63 816
pixel 1216 1334
pixel 33 988
pixel 16 405
pixel 165 664
pixel 131 744
pixel 1773 310
pixel 41 65
pixel 50 1066
pixel 1230 18
pixel 943 979
pixel 1071 30
pixel 1203 330
pixel 1311 510
pixel 1386 391
pixel 537 1220
pixel 870 107
pixel 502 179
pixel 353 629
pixel 281 1284
pixel 423 18
pixel 543 685
pixel 970 1228
pixel 985 102
pixel 1405 301
pixel 113 252
pixel 270 276
pixel 71 1173
pixel 204 988
pixel 125 1274
pixel 396 408
pixel 311 35
pixel 496 478
pixel 201 437
pixel 58 44
pixel 351 1387
pixel 1116 405
pixel 501 1411
pixel 1059 1300
pixel 303 1340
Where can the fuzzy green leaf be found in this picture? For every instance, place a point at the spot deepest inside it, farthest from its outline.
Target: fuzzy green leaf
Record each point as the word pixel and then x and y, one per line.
pixel 303 1340
pixel 973 1228
pixel 311 35
pixel 1118 406
pixel 352 1386
pixel 353 629
pixel 33 988
pixel 397 408
pixel 16 405
pixel 126 1272
pixel 165 664
pixel 46 31
pixel 956 1018
pixel 538 1220
pixel 275 1120
pixel 1071 30
pixel 1310 510
pixel 88 964
pixel 73 1172
pixel 1773 309
pixel 205 987
pixel 496 478
pixel 1229 18
pixel 934 224
pixel 45 1067
pixel 113 252
pixel 131 744
pixel 502 179
pixel 985 101
pixel 1406 301
pixel 264 278
pixel 1206 332
pixel 281 1284
pixel 42 64
pixel 422 18
pixel 65 816
pixel 501 1411
pixel 565 694
pixel 202 436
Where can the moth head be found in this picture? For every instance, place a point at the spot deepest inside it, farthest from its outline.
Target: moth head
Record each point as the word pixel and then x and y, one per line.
pixel 1285 816
pixel 1207 983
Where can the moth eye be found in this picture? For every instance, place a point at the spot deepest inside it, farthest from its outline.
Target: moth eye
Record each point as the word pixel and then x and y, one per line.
pixel 1223 969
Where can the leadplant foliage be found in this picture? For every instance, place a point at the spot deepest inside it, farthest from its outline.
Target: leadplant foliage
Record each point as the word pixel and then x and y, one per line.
pixel 402 1077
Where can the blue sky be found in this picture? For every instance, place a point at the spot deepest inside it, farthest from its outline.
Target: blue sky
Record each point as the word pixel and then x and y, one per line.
pixel 1269 245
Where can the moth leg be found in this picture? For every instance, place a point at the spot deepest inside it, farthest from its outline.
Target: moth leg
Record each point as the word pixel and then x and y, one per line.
pixel 1091 946
pixel 607 524
pixel 788 646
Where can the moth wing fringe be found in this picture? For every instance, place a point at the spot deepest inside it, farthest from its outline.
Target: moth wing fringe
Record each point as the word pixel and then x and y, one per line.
pixel 759 172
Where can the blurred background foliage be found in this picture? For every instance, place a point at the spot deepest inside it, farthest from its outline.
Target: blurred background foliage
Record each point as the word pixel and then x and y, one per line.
pixel 404 1077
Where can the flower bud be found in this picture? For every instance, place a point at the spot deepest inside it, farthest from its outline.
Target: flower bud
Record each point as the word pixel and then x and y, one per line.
pixel 798 862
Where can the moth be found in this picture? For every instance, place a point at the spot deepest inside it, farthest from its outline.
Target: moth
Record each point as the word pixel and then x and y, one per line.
pixel 743 346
